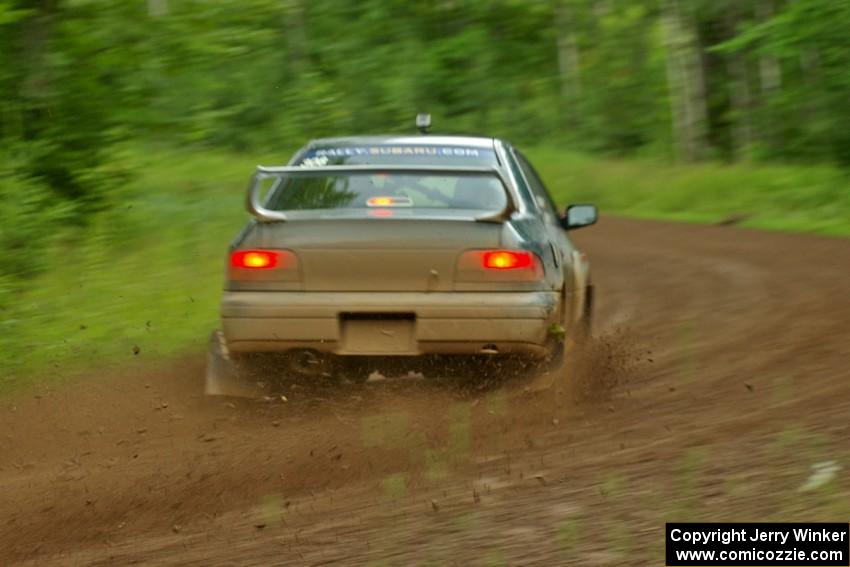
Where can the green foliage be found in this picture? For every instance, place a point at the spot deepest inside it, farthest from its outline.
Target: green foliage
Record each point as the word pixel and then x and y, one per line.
pixel 75 75
pixel 55 91
pixel 26 211
pixel 809 41
pixel 802 198
pixel 243 73
pixel 144 273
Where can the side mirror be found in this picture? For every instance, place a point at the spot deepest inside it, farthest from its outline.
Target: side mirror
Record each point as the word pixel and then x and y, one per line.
pixel 578 216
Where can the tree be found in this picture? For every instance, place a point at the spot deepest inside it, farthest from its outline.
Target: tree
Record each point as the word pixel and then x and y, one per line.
pixel 686 81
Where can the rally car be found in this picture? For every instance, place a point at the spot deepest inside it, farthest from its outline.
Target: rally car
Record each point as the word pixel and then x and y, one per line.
pixel 398 247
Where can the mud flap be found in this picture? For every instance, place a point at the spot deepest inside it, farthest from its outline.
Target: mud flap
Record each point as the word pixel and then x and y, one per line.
pixel 223 376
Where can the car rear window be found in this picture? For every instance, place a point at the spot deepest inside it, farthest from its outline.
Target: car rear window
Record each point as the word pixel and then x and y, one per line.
pixel 366 190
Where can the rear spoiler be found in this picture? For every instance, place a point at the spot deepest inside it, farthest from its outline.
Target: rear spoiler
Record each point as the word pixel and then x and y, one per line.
pixel 254 204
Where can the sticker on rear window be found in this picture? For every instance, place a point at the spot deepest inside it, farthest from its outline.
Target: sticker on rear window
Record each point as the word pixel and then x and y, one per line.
pixel 397 151
pixel 396 154
pixel 317 161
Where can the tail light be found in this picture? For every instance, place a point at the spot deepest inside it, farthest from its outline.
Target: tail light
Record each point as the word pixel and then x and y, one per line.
pixel 263 265
pixel 499 266
pixel 255 259
pixel 507 260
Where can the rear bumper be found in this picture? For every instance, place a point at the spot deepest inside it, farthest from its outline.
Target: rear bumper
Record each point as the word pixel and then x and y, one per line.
pixel 389 323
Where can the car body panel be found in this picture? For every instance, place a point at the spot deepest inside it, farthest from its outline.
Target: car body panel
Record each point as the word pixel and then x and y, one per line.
pixel 510 321
pixel 389 254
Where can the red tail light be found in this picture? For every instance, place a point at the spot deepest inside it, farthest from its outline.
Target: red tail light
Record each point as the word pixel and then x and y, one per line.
pixel 263 266
pixel 499 266
pixel 507 260
pixel 255 259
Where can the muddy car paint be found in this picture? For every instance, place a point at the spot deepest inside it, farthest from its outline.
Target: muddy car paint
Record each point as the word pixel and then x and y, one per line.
pixel 392 286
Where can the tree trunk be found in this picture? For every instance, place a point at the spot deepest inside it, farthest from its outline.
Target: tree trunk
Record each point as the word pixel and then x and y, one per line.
pixel 568 65
pixel 686 83
pixel 740 97
pixel 770 82
pixel 675 87
pixel 296 37
pixel 770 72
pixel 157 8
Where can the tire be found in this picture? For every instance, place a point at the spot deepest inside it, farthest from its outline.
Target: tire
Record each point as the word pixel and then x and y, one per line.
pixel 584 328
pixel 579 334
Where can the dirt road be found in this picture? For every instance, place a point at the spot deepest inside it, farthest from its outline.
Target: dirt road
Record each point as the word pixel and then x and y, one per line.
pixel 720 378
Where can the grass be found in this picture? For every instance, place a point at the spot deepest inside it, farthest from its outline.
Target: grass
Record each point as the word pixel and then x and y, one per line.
pixel 775 197
pixel 147 275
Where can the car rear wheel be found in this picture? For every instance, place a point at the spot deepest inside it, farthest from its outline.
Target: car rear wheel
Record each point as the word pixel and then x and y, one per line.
pixel 576 334
pixel 584 328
